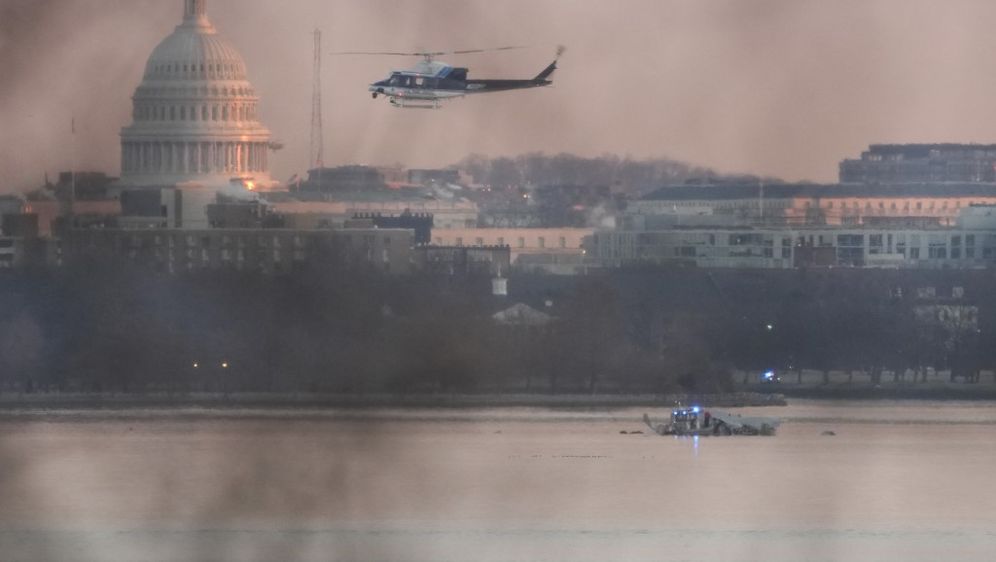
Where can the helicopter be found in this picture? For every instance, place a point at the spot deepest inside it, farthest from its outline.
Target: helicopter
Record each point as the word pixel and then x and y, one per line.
pixel 430 82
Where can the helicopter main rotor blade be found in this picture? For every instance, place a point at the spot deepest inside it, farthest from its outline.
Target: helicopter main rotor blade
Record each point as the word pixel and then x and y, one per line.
pixel 472 51
pixel 379 53
pixel 430 53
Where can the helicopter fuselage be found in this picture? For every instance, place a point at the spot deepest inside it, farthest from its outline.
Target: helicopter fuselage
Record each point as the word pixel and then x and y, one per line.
pixel 435 82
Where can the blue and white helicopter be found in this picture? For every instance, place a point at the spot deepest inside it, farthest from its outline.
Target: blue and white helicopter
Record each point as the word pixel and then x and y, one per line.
pixel 431 82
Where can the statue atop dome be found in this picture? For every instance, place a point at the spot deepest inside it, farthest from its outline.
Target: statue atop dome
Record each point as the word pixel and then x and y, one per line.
pixel 194 9
pixel 195 14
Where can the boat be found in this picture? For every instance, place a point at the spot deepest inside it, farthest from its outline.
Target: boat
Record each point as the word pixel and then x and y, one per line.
pixel 694 420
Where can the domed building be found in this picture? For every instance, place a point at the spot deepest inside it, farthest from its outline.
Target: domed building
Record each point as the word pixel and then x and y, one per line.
pixel 195 120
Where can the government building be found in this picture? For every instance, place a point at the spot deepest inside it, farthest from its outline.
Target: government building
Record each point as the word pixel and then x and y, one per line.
pixel 195 133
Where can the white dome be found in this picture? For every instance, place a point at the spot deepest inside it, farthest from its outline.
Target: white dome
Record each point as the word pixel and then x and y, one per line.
pixel 195 51
pixel 195 113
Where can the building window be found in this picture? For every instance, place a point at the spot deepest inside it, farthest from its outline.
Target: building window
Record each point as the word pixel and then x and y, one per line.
pixel 522 242
pixel 851 240
pixel 875 244
pixel 459 241
pixel 563 242
pixel 937 252
pixel 541 242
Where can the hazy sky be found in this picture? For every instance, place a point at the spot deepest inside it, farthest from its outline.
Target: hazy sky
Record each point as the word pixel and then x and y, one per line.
pixel 778 87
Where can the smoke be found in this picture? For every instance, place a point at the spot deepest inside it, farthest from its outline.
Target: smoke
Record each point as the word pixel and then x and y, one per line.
pixel 773 87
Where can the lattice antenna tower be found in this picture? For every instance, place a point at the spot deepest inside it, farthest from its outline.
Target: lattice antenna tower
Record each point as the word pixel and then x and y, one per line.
pixel 317 155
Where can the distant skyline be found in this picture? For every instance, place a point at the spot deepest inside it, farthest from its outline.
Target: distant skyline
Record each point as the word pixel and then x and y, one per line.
pixel 782 88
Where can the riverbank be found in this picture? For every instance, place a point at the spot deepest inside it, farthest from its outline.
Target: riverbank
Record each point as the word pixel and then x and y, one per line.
pixel 939 392
pixel 13 402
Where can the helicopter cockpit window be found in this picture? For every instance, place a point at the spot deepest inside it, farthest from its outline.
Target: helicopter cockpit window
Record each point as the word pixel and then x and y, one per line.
pixel 419 82
pixel 397 80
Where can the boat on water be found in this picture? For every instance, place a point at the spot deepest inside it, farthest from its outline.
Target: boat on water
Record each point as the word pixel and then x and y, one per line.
pixel 694 420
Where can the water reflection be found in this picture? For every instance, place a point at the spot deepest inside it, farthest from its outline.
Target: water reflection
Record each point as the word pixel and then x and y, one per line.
pixel 512 484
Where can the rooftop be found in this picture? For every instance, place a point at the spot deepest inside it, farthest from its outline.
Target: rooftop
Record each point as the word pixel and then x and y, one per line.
pixel 805 190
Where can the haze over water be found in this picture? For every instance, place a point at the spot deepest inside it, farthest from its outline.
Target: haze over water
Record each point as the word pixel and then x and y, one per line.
pixel 906 481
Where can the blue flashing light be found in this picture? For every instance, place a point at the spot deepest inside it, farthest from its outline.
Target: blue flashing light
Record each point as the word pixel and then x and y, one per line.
pixel 769 375
pixel 695 409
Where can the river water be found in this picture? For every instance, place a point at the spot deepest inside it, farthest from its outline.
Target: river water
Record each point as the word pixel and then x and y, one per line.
pixel 898 481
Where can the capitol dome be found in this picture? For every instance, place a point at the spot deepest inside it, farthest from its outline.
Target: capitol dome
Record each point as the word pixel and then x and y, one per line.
pixel 195 114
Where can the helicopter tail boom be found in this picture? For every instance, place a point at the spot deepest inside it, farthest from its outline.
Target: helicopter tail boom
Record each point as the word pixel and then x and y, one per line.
pixel 487 85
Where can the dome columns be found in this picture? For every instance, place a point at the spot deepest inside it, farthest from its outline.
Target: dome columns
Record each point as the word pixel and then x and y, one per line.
pixel 194 158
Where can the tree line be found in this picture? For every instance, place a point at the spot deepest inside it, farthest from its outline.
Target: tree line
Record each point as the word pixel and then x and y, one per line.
pixel 102 326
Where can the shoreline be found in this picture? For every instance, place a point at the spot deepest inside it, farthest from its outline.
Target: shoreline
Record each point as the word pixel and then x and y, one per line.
pixel 21 402
pixel 753 396
pixel 939 392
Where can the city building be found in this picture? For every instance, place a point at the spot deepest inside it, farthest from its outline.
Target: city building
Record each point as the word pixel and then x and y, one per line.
pixel 756 204
pixel 195 130
pixel 333 213
pixel 493 261
pixel 10 205
pixel 343 179
pixel 441 176
pixel 968 243
pixel 21 246
pixel 421 225
pixel 922 163
pixel 269 251
pixel 554 250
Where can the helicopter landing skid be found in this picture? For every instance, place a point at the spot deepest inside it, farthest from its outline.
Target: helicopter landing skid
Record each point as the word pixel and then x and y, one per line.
pixel 405 104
